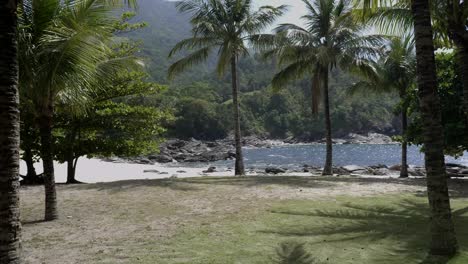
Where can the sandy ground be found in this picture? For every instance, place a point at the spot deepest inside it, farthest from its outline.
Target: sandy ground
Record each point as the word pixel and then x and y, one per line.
pixel 96 170
pixel 109 222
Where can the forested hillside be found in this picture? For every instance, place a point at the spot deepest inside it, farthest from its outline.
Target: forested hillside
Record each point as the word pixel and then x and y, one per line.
pixel 201 100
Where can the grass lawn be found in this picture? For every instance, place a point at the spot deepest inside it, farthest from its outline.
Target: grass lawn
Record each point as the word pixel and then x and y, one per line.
pixel 237 220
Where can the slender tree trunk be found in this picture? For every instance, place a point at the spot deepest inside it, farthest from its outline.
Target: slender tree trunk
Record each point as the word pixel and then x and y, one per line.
pixel 45 127
pixel 327 170
pixel 71 170
pixel 404 143
pixel 28 158
pixel 443 240
pixel 239 167
pixel 71 161
pixel 10 227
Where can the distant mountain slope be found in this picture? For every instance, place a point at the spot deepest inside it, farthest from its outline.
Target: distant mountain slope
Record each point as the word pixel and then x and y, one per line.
pixel 166 27
pixel 201 91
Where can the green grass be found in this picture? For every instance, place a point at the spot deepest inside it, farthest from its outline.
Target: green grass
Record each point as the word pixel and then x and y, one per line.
pixel 383 229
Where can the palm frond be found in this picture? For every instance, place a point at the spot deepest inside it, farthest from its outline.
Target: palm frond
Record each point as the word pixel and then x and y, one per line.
pixel 183 64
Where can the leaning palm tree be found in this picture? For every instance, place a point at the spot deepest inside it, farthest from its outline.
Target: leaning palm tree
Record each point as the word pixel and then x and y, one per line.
pixel 331 39
pixel 9 137
pixel 225 26
pixel 64 51
pixel 394 72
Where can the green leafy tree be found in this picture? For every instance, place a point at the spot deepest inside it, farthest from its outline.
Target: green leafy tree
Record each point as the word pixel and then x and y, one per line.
pixel 332 39
pixel 394 72
pixel 225 25
pixel 450 90
pixel 64 50
pixel 198 117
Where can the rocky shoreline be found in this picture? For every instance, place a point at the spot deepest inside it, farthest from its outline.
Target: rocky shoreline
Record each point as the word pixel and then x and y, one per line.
pixel 177 150
pixel 453 171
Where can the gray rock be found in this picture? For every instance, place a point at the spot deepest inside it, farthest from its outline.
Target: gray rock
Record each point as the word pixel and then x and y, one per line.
pixel 144 161
pixel 340 171
pixel 381 172
pixel 162 158
pixel 353 168
pixel 395 167
pixel 274 170
pixel 210 170
pixel 180 156
pixel 360 172
pixel 419 172
pixel 150 171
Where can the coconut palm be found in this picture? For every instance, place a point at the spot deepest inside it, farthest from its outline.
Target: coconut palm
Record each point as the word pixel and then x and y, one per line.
pixel 64 52
pixel 443 239
pixel 394 72
pixel 9 137
pixel 450 23
pixel 225 26
pixel 331 39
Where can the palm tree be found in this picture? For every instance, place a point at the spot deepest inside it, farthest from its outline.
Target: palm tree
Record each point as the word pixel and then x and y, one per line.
pixel 64 51
pixel 10 227
pixel 225 26
pixel 449 19
pixel 443 240
pixel 394 72
pixel 331 39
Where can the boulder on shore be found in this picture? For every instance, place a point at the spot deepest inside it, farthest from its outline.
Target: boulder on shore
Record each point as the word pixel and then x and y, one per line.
pixel 353 168
pixel 274 170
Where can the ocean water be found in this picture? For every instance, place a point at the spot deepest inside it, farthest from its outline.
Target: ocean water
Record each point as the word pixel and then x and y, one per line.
pixel 293 156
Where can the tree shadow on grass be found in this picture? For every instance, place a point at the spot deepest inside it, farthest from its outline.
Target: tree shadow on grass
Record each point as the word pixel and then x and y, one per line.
pixel 196 184
pixel 401 230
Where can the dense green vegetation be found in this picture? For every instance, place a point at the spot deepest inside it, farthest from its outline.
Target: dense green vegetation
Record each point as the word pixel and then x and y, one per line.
pixel 451 93
pixel 265 112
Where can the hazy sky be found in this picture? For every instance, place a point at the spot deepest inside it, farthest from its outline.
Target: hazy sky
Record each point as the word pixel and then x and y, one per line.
pixel 296 9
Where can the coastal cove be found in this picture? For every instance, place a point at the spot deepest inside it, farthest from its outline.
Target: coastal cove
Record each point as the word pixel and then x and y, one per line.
pixel 291 158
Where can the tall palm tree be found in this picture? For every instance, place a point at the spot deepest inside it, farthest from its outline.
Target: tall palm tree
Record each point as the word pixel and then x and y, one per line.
pixel 394 72
pixel 10 227
pixel 443 240
pixel 225 26
pixel 331 39
pixel 64 51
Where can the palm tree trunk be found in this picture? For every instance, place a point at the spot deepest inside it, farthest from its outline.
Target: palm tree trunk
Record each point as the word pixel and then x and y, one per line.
pixel 10 227
pixel 327 170
pixel 45 127
pixel 239 167
pixel 404 143
pixel 443 240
